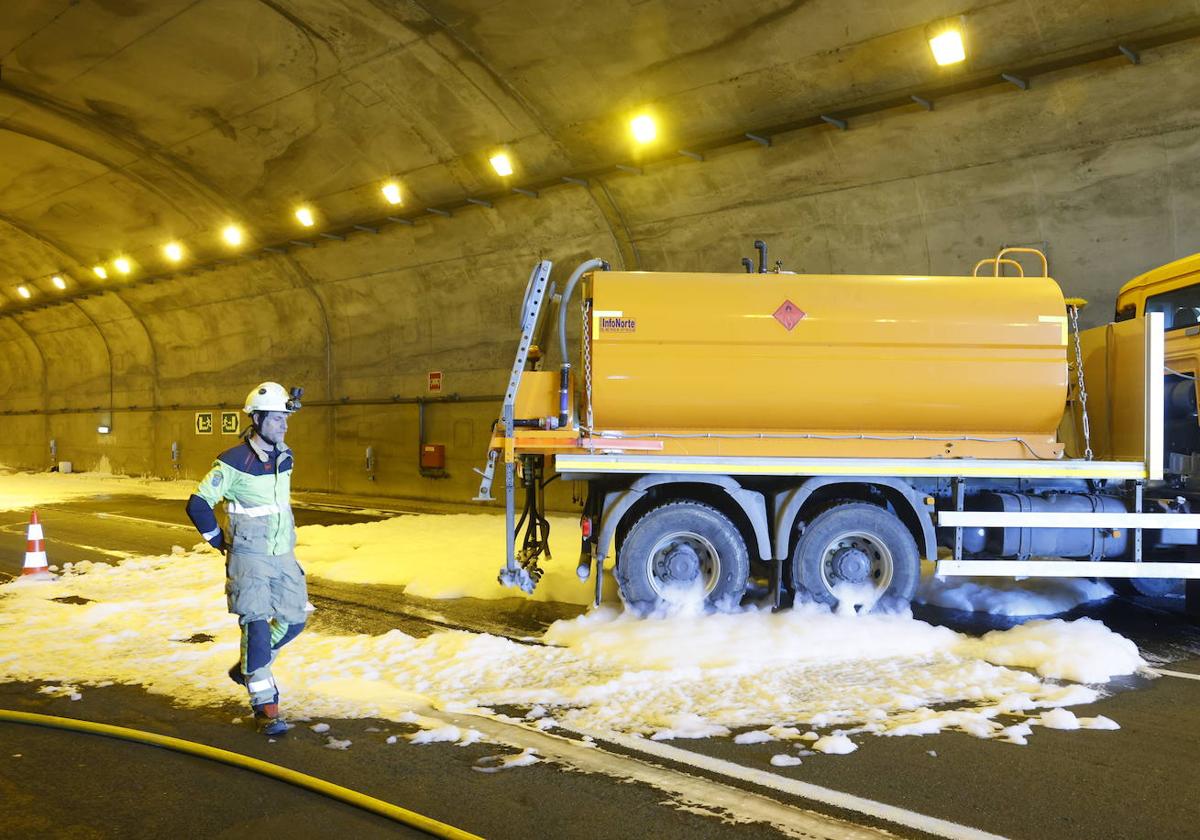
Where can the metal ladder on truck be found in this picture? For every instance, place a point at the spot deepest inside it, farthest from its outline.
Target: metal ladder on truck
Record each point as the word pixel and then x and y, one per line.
pixel 523 573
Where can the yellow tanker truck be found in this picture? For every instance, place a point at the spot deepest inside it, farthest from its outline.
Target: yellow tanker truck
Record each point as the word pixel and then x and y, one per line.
pixel 827 432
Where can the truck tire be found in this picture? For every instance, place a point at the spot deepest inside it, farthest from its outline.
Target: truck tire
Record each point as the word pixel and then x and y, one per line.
pixel 1149 587
pixel 1158 587
pixel 862 545
pixel 679 545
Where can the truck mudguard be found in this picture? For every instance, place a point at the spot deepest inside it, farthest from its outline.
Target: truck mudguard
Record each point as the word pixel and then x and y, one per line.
pixel 618 502
pixel 789 502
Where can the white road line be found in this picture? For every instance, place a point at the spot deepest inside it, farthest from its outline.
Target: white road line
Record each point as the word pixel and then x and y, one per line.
pixel 107 552
pixel 805 790
pixel 120 555
pixel 1162 672
pixel 688 792
pixel 145 521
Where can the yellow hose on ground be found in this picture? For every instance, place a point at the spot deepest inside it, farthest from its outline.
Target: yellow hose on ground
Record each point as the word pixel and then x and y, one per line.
pixel 350 797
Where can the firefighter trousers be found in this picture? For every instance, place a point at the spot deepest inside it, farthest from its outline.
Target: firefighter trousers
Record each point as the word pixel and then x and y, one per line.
pixel 269 595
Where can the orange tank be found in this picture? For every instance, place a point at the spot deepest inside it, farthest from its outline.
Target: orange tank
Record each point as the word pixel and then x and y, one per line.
pixel 887 355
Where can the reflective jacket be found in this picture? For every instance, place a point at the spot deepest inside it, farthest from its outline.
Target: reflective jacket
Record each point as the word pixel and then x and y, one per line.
pixel 256 487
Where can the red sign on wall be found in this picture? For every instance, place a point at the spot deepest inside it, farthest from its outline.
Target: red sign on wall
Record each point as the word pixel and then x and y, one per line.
pixel 435 381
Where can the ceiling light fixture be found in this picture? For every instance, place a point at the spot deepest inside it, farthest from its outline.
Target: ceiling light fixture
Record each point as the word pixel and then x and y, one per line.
pixel 23 291
pixel 173 251
pixel 123 265
pixel 643 128
pixel 947 44
pixel 502 164
pixel 391 192
pixel 304 215
pixel 100 271
pixel 58 282
pixel 233 235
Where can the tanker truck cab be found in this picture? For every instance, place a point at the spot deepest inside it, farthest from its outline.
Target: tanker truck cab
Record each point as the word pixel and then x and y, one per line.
pixel 824 434
pixel 1173 290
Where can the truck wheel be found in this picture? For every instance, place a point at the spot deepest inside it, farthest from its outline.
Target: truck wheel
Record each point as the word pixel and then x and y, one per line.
pixel 1158 587
pixel 1149 587
pixel 859 546
pixel 678 546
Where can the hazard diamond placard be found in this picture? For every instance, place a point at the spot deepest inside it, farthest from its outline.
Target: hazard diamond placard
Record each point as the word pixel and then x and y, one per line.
pixel 789 314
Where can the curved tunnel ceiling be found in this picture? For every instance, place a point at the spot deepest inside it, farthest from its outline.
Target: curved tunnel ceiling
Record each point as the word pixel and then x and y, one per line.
pixel 128 123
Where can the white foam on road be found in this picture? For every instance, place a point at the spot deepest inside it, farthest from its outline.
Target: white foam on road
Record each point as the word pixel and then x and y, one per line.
pixel 684 676
pixel 1004 596
pixel 20 490
pixel 818 681
pixel 497 763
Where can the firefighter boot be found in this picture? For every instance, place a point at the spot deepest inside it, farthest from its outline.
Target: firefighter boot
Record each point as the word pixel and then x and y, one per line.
pixel 267 719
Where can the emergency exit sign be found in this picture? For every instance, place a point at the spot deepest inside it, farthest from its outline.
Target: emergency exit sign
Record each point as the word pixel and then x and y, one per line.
pixel 435 381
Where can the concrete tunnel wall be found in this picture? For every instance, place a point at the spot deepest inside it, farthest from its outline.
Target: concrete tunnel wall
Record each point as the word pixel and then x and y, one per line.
pixel 1099 164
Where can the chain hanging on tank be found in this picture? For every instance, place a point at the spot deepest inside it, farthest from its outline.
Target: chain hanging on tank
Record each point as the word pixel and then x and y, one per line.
pixel 1073 311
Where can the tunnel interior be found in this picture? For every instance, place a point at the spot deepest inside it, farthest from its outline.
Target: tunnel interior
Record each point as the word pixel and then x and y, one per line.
pixel 826 129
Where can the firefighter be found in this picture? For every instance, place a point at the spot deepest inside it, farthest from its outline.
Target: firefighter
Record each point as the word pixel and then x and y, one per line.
pixel 264 584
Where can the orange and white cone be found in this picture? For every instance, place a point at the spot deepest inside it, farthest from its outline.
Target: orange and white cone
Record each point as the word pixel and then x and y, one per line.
pixel 35 549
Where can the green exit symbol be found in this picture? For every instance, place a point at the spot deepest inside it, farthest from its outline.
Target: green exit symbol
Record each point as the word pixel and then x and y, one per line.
pixel 230 422
pixel 204 422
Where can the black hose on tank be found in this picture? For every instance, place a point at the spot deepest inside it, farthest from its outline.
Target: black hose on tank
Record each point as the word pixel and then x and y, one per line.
pixel 563 393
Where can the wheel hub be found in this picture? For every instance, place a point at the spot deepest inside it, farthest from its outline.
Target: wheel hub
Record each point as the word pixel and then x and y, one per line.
pixel 683 559
pixel 851 564
pixel 682 564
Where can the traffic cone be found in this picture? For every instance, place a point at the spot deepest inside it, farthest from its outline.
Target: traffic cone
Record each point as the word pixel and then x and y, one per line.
pixel 35 549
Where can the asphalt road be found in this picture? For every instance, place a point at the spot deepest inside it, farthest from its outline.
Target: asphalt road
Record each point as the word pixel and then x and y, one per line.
pixel 1136 782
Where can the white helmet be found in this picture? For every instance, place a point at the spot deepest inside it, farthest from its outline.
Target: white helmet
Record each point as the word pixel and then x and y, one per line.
pixel 269 396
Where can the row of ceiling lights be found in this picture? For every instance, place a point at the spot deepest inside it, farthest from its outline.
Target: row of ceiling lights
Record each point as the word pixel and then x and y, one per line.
pixel 945 41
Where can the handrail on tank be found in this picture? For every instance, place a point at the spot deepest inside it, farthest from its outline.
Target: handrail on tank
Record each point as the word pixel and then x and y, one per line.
pixel 1015 250
pixel 994 261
